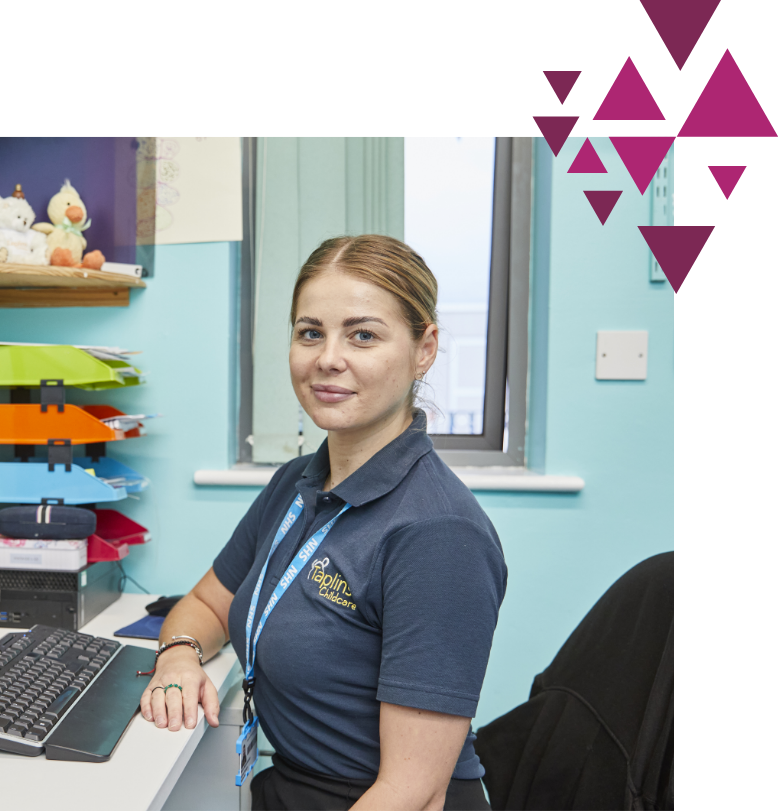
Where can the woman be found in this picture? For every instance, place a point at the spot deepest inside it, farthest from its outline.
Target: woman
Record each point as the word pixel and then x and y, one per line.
pixel 369 670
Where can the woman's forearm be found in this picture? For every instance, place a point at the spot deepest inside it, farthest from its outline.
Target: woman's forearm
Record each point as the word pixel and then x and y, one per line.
pixel 198 614
pixel 384 796
pixel 192 617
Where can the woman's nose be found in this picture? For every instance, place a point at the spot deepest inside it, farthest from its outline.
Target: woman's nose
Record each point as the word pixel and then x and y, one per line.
pixel 74 213
pixel 331 358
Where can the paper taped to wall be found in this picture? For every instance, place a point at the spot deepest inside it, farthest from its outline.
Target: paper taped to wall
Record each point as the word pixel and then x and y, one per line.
pixel 189 190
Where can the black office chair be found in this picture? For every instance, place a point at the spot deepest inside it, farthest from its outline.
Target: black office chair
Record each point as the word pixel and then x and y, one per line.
pixel 597 730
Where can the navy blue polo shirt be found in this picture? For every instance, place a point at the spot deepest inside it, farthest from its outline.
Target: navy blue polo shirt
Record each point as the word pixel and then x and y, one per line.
pixel 399 603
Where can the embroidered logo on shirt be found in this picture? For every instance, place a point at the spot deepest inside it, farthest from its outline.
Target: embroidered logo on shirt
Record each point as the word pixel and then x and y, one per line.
pixel 331 587
pixel 321 564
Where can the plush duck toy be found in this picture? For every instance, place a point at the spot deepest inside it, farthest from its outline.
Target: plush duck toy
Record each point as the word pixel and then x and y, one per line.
pixel 65 241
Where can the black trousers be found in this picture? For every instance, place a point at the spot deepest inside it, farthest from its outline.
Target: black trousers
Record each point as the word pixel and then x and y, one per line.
pixel 288 787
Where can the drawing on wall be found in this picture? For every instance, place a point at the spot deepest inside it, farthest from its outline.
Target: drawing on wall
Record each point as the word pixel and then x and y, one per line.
pixel 189 190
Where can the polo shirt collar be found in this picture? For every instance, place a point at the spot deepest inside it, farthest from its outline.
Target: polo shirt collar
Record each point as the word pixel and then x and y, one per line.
pixel 382 473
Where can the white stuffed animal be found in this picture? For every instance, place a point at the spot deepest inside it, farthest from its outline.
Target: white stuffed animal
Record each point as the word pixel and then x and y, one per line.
pixel 16 213
pixel 19 244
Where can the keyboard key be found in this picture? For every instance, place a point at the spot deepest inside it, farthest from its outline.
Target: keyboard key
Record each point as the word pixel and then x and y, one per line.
pixel 46 723
pixel 36 733
pixel 59 706
pixel 18 729
pixel 5 722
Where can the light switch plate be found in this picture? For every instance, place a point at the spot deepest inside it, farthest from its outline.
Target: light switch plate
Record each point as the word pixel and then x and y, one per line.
pixel 621 355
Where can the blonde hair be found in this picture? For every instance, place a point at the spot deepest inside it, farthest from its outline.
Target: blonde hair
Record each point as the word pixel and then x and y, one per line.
pixel 389 264
pixel 384 261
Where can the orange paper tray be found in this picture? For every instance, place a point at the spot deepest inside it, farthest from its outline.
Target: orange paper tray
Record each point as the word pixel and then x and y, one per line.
pixel 26 424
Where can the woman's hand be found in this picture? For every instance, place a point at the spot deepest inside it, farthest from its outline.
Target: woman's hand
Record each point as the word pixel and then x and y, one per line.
pixel 179 665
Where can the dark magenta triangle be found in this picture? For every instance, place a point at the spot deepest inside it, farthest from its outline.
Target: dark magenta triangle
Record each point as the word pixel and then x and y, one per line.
pixel 603 203
pixel 727 107
pixel 629 99
pixel 556 129
pixel 642 155
pixel 587 161
pixel 727 177
pixel 680 25
pixel 676 247
pixel 562 81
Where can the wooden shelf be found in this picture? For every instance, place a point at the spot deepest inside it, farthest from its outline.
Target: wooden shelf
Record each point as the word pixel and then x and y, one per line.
pixel 50 286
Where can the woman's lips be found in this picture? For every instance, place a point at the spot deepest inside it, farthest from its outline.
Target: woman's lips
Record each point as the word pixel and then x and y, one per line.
pixel 331 394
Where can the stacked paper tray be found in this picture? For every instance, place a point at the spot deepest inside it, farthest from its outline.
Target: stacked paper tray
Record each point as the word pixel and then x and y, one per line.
pixel 55 556
pixel 114 535
pixel 109 471
pixel 28 425
pixel 28 483
pixel 28 365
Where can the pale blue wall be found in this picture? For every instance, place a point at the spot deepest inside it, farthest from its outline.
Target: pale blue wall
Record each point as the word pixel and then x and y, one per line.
pixel 562 551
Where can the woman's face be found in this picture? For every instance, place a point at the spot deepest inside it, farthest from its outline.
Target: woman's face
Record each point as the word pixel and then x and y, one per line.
pixel 353 358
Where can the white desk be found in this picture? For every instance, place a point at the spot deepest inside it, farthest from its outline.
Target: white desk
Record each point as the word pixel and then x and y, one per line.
pixel 147 762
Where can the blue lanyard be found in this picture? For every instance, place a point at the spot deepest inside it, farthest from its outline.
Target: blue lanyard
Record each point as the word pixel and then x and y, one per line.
pixel 298 562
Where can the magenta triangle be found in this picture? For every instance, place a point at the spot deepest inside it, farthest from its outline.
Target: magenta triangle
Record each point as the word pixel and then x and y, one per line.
pixel 727 107
pixel 676 247
pixel 556 129
pixel 642 155
pixel 562 81
pixel 587 161
pixel 727 177
pixel 680 25
pixel 603 203
pixel 629 99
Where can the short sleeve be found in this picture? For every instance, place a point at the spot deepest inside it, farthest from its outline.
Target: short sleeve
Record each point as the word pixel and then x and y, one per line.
pixel 443 581
pixel 236 559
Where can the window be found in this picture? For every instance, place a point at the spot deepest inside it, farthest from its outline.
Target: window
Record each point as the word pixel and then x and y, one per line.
pixel 464 204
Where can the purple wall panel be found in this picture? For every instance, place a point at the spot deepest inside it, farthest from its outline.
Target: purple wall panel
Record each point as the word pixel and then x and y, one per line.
pixel 102 170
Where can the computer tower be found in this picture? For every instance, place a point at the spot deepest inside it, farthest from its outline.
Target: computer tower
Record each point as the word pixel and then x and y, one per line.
pixel 62 599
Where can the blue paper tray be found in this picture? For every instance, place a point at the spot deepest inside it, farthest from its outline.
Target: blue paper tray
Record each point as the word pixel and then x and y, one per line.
pixel 107 468
pixel 28 483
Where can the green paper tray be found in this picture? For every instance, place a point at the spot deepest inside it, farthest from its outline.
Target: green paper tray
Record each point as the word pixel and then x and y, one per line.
pixel 28 365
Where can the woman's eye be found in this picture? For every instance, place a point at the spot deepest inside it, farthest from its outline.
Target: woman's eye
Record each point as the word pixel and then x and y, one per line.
pixel 364 336
pixel 311 334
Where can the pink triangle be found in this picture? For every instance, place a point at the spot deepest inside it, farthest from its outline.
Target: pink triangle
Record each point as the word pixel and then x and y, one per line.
pixel 680 25
pixel 727 177
pixel 676 247
pixel 562 81
pixel 727 107
pixel 603 203
pixel 629 99
pixel 556 129
pixel 642 155
pixel 587 161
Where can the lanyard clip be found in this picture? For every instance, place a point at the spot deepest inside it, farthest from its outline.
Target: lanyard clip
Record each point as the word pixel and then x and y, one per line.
pixel 248 693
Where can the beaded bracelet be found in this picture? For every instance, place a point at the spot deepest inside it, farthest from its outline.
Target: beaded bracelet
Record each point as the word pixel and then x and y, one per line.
pixel 165 647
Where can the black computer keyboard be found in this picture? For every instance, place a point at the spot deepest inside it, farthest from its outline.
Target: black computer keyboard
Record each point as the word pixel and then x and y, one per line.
pixel 69 694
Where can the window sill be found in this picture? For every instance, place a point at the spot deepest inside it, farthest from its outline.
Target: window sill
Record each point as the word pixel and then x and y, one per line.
pixel 513 479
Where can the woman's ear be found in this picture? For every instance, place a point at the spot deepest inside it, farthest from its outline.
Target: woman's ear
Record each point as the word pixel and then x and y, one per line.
pixel 427 348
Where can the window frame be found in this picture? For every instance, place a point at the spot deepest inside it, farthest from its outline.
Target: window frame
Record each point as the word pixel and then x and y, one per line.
pixel 502 443
pixel 507 320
